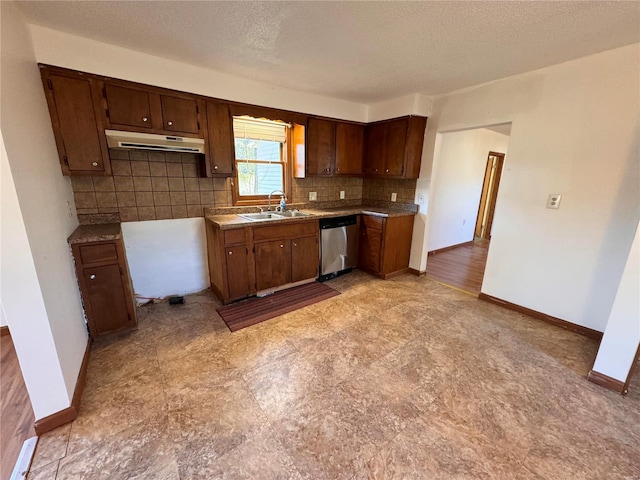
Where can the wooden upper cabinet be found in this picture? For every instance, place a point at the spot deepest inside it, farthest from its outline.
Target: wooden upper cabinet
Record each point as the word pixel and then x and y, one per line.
pixel 349 148
pixel 77 125
pixel 179 114
pixel 127 107
pixel 321 144
pixel 220 139
pixel 394 147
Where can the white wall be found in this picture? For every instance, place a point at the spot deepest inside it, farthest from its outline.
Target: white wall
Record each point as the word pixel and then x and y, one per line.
pixel 575 132
pixel 23 304
pixel 458 173
pixel 415 104
pixel 65 50
pixel 167 257
pixel 42 193
pixel 622 334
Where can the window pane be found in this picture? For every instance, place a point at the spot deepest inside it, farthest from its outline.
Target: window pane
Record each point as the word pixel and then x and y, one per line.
pixel 250 149
pixel 259 178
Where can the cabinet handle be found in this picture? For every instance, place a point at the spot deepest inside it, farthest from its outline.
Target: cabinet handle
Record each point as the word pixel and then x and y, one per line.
pixel 169 123
pixel 145 119
pixel 92 276
pixel 230 252
pixel 281 245
pixel 95 164
pixel 215 167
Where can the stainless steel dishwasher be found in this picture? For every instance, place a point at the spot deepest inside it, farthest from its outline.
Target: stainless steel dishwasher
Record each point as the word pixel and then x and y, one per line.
pixel 338 246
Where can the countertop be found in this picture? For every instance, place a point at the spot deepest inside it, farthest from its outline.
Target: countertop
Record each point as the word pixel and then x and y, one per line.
pixel 225 222
pixel 95 233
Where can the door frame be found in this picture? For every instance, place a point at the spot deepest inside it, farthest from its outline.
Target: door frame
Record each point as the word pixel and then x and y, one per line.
pixel 490 186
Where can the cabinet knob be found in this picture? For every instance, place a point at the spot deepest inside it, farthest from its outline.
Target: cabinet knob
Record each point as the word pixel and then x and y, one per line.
pixel 230 252
pixel 215 167
pixel 376 169
pixel 169 123
pixel 281 245
pixel 337 169
pixel 327 170
pixel 92 276
pixel 95 164
pixel 295 244
pixel 386 171
pixel 145 119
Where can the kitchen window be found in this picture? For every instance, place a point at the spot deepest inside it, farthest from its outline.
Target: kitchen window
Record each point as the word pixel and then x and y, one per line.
pixel 261 159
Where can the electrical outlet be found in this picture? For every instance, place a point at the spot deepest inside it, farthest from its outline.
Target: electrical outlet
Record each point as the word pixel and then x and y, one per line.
pixel 313 196
pixel 69 211
pixel 394 196
pixel 341 194
pixel 421 199
pixel 553 201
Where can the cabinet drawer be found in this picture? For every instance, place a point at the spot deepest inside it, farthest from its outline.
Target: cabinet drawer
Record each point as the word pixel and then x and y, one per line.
pixel 372 221
pixel 285 231
pixel 98 253
pixel 234 237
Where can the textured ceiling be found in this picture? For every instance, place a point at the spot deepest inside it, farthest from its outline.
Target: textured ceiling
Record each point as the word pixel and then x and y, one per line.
pixel 359 51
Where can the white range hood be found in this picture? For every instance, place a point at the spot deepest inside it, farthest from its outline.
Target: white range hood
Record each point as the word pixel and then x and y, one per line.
pixel 158 143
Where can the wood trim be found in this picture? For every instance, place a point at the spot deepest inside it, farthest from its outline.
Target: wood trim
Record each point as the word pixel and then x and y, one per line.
pixel 4 330
pixel 558 322
pixel 606 382
pixel 450 247
pixel 397 273
pixel 632 370
pixel 70 413
pixel 417 273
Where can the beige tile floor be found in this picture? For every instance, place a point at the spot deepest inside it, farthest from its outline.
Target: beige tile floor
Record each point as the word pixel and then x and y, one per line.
pixel 397 379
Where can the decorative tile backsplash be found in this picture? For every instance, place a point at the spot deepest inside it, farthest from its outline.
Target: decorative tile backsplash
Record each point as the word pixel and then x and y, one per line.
pixel 156 186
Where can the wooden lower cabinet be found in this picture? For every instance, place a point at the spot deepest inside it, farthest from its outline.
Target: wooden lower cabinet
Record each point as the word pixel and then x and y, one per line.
pixel 247 260
pixel 105 286
pixel 385 245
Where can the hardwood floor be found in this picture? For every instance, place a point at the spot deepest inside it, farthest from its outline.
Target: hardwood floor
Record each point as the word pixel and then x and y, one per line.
pixel 461 267
pixel 16 414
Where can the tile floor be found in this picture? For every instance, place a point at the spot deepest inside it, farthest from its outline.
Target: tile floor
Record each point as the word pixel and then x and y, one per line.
pixel 397 379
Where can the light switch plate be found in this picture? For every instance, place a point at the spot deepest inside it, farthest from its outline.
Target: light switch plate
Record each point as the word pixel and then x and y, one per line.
pixel 341 194
pixel 553 201
pixel 313 196
pixel 394 196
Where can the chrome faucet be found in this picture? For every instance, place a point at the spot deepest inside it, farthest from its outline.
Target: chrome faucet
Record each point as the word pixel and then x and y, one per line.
pixel 275 191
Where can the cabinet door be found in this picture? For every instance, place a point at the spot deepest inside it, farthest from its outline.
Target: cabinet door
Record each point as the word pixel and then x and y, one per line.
pixel 375 140
pixel 369 248
pixel 237 271
pixel 128 106
pixel 349 149
pixel 75 125
pixel 321 144
pixel 273 264
pixel 304 258
pixel 107 299
pixel 179 114
pixel 396 138
pixel 220 138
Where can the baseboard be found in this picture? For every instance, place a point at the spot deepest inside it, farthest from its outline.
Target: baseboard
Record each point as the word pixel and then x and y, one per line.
pixel 607 382
pixel 450 247
pixel 397 273
pixel 4 330
pixel 558 322
pixel 70 413
pixel 417 273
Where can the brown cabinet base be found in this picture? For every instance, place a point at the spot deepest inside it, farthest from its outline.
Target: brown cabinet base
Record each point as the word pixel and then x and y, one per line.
pixel 105 286
pixel 385 245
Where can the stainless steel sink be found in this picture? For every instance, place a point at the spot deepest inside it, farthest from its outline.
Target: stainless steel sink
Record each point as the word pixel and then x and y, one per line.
pixel 291 213
pixel 254 217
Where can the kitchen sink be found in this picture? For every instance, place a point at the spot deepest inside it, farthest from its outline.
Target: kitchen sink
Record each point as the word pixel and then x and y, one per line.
pixel 258 216
pixel 291 213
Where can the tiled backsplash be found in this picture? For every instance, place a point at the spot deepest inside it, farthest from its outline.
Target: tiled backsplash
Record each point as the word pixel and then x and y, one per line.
pixel 156 186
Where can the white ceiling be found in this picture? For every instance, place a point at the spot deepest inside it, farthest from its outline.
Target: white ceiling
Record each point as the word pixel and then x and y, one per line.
pixel 360 51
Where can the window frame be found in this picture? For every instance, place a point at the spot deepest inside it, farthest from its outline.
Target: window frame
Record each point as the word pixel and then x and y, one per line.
pixel 252 200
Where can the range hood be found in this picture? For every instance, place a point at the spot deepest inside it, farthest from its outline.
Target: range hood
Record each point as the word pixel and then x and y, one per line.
pixel 158 143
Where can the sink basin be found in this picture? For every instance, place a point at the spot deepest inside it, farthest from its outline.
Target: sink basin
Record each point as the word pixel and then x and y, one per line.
pixel 258 216
pixel 291 213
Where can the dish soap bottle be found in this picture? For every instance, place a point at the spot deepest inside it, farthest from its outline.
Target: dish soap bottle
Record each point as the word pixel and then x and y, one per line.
pixel 283 204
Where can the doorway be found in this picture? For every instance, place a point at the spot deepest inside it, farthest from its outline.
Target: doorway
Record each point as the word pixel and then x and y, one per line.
pixel 466 177
pixel 490 186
